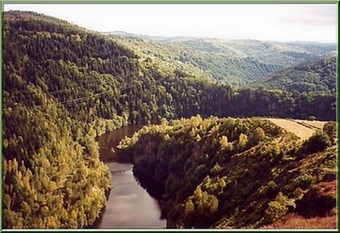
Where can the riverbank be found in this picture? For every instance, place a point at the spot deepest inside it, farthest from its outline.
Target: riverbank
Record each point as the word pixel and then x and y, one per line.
pixel 127 199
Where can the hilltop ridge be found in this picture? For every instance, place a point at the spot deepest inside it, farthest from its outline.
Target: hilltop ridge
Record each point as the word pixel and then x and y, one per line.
pixel 237 62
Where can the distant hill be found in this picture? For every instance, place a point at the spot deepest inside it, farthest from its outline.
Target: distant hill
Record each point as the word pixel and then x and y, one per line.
pixel 316 75
pixel 237 62
pixel 148 37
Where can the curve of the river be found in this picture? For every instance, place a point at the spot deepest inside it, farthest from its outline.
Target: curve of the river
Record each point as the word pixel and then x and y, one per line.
pixel 129 206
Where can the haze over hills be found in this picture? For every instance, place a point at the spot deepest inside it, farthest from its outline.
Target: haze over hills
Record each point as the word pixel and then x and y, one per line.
pixel 237 62
pixel 63 85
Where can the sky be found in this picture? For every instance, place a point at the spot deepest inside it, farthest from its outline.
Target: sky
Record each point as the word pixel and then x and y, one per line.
pixel 266 22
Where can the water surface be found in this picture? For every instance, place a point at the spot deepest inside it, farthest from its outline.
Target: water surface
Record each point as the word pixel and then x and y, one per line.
pixel 129 205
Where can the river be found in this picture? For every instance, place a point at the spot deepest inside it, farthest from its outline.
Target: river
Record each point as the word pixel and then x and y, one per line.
pixel 129 206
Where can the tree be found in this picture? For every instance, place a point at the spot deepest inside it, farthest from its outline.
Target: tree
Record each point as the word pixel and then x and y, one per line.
pixel 188 210
pixel 330 128
pixel 242 141
pixel 224 142
pixel 259 134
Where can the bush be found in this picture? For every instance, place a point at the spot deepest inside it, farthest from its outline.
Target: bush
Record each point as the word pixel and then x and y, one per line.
pixel 298 193
pixel 294 221
pixel 277 208
pixel 319 141
pixel 330 128
pixel 303 181
pixel 275 211
pixel 311 118
pixel 320 200
pixel 272 187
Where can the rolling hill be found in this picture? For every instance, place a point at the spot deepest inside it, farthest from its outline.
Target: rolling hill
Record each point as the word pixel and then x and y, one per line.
pixel 318 75
pixel 237 62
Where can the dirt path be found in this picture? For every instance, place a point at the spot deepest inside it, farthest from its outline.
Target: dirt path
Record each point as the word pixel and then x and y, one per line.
pixel 318 125
pixel 303 129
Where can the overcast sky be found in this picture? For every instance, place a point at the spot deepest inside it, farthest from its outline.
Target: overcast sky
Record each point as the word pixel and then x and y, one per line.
pixel 279 22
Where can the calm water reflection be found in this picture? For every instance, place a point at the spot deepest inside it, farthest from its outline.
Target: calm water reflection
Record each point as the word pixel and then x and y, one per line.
pixel 129 205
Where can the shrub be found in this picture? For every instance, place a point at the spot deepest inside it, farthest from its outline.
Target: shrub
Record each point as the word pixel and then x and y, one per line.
pixel 275 211
pixel 298 193
pixel 311 118
pixel 272 187
pixel 320 200
pixel 216 169
pixel 294 221
pixel 303 181
pixel 330 128
pixel 277 208
pixel 319 141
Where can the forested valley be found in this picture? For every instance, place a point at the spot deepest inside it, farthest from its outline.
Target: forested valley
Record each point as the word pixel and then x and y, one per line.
pixel 63 85
pixel 237 62
pixel 317 75
pixel 236 172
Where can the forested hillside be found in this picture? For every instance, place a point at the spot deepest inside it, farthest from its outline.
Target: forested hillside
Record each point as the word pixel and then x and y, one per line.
pixel 64 85
pixel 237 62
pixel 236 173
pixel 319 75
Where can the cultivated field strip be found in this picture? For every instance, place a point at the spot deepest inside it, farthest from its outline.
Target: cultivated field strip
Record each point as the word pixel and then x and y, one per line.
pixel 300 128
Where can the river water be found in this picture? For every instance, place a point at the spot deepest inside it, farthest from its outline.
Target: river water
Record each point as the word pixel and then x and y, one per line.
pixel 129 206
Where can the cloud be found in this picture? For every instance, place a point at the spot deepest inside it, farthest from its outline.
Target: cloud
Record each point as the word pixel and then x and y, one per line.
pixel 318 15
pixel 282 22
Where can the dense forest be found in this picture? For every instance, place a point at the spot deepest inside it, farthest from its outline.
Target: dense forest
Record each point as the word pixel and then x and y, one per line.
pixel 235 173
pixel 64 85
pixel 318 75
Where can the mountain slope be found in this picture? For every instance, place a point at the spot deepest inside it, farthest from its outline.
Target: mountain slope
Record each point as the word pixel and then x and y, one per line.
pixel 317 75
pixel 237 62
pixel 234 173
pixel 250 59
